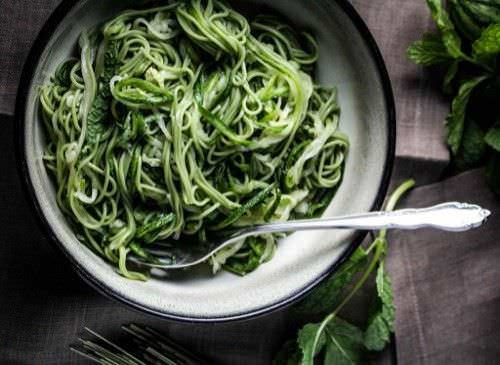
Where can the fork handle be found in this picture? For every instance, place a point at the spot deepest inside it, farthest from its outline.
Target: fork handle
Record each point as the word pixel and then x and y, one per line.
pixel 452 216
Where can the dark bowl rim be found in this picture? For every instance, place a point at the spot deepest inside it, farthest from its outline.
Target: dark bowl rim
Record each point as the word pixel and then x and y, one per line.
pixel 20 110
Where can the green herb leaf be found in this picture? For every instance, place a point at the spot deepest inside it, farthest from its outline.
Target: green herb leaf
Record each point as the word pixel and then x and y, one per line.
pixel 469 27
pixel 429 51
pixel 492 138
pixel 489 42
pixel 62 77
pixel 100 107
pixel 484 12
pixel 455 120
pixel 305 339
pixel 473 148
pixel 449 77
pixel 327 295
pixel 381 323
pixel 450 38
pixel 344 343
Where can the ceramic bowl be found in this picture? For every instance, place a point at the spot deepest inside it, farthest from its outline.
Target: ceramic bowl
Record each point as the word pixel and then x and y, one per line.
pixel 349 59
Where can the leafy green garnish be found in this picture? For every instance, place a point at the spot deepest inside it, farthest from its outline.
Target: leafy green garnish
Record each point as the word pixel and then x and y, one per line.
pixel 429 51
pixel 381 323
pixel 344 343
pixel 450 38
pixel 489 42
pixel 492 138
pixel 100 107
pixel 133 128
pixel 465 24
pixel 334 340
pixel 473 148
pixel 327 294
pixel 449 78
pixel 468 43
pixel 484 13
pixel 456 119
pixel 307 345
pixel 341 341
pixel 62 77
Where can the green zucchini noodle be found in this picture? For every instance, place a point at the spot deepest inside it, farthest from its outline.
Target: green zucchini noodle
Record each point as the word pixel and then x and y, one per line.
pixel 177 121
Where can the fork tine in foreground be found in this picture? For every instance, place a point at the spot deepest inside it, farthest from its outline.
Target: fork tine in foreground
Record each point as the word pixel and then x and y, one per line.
pixel 150 347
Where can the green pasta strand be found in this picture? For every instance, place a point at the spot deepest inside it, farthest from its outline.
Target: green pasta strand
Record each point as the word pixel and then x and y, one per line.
pixel 177 121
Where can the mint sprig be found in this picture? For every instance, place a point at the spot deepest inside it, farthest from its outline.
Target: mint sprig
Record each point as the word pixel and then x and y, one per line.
pixel 466 46
pixel 334 340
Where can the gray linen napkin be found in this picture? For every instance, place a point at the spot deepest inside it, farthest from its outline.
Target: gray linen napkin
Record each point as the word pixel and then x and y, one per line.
pixel 420 106
pixel 447 287
pixel 44 305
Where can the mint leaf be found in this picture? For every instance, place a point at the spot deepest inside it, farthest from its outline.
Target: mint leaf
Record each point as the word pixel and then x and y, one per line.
pixel 473 148
pixel 327 295
pixel 455 120
pixel 344 343
pixel 450 38
pixel 464 23
pixel 62 76
pixel 449 77
pixel 492 138
pixel 305 340
pixel 381 324
pixel 489 42
pixel 483 11
pixel 429 51
pixel 100 106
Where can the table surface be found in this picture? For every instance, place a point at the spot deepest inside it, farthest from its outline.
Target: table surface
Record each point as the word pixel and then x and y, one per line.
pixel 447 298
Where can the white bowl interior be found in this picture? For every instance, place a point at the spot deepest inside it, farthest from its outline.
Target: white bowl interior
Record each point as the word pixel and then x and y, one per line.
pixel 345 61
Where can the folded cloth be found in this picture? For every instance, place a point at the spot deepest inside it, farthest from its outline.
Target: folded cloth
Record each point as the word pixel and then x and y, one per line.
pixel 446 285
pixel 421 108
pixel 20 22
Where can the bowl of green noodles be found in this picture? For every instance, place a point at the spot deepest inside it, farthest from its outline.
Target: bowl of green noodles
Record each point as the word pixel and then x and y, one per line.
pixel 146 122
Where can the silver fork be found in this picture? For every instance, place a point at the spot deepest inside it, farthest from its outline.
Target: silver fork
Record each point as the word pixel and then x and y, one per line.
pixel 452 216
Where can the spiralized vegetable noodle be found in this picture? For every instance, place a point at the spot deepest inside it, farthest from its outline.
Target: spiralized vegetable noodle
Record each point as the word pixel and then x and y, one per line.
pixel 185 119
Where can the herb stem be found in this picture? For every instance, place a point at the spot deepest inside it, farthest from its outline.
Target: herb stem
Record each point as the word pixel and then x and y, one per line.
pixel 380 248
pixel 394 198
pixel 379 244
